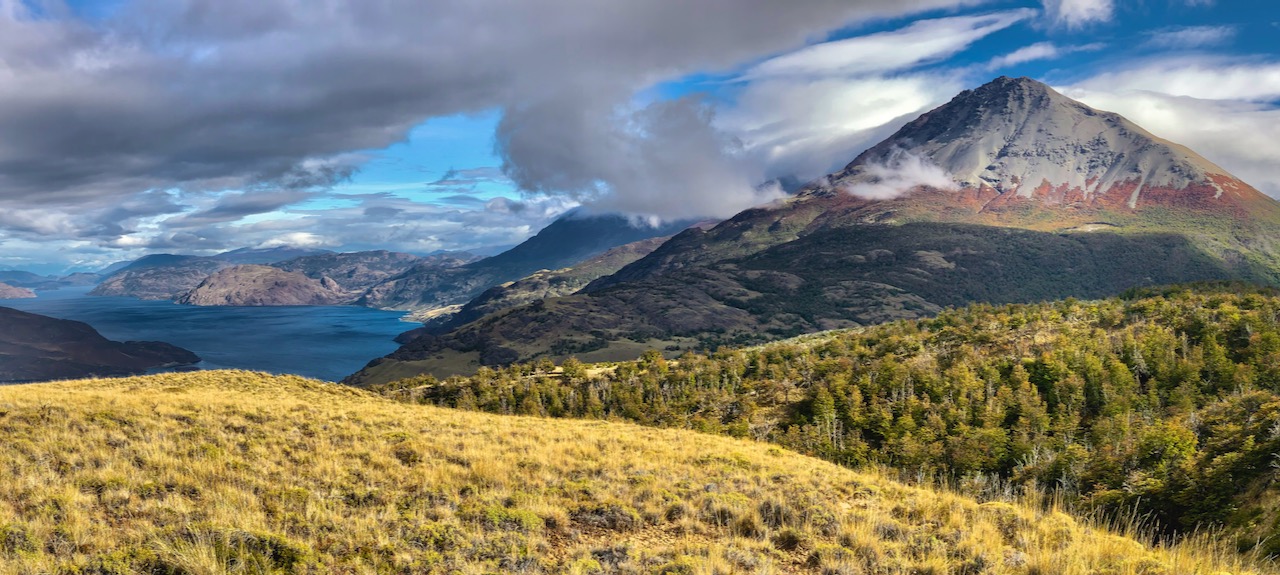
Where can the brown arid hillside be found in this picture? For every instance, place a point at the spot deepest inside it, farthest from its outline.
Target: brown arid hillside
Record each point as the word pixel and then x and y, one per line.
pixel 238 472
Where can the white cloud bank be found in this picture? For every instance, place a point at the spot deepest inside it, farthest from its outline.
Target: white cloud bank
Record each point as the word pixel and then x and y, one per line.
pixel 1079 13
pixel 809 111
pixel 1224 112
pixel 901 173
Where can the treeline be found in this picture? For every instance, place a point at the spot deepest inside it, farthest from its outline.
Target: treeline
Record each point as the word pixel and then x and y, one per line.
pixel 1164 402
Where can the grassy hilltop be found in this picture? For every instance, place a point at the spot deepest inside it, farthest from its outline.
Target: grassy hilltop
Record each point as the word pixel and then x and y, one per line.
pixel 238 472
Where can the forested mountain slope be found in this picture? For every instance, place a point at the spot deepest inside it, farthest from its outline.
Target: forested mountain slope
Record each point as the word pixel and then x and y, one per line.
pixel 1165 403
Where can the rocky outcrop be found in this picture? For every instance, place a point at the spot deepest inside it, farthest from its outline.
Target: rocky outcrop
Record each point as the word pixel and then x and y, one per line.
pixel 256 285
pixel 39 348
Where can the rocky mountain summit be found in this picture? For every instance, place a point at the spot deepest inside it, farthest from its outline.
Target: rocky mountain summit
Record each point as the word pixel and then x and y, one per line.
pixel 1018 139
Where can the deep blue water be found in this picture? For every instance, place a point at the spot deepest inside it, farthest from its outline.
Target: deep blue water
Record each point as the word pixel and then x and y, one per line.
pixel 326 343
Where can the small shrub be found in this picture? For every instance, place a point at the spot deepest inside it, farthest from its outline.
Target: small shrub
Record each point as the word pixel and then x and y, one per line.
pixel 608 515
pixel 789 539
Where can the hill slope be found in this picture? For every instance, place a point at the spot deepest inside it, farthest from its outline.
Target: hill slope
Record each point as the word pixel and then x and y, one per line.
pixel 1165 404
pixel 856 276
pixel 159 277
pixel 221 472
pixel 169 276
pixel 35 347
pixel 539 285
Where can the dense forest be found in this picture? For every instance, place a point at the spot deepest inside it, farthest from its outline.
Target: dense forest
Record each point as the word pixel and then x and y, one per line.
pixel 1163 403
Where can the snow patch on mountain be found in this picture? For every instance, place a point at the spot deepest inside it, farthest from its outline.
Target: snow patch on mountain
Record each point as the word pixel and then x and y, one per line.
pixel 1020 137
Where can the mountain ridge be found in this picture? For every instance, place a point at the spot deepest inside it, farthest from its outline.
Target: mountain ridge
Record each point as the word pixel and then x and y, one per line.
pixel 810 261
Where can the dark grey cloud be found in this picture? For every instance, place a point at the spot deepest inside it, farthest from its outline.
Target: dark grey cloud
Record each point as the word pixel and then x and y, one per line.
pixel 215 94
pixel 663 160
pixel 235 206
pixel 165 124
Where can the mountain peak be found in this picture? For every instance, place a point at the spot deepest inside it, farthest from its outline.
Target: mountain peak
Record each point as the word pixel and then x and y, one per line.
pixel 1020 86
pixel 1017 138
pixel 1013 95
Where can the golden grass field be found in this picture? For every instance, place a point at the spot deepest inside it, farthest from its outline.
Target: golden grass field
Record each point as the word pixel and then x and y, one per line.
pixel 239 472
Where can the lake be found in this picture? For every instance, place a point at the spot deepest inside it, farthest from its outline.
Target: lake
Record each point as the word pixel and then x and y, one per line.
pixel 326 343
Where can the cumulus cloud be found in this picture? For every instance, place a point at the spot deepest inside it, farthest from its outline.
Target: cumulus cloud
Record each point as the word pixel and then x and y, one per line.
pixel 299 240
pixel 806 129
pixel 1079 13
pixel 206 96
pixel 386 221
pixel 663 160
pixel 901 172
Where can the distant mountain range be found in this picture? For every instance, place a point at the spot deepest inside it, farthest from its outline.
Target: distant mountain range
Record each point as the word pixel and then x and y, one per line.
pixel 569 240
pixel 30 281
pixel 169 276
pixel 379 279
pixel 1011 192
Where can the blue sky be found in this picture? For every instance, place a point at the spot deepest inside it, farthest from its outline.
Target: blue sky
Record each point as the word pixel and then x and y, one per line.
pixel 195 126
